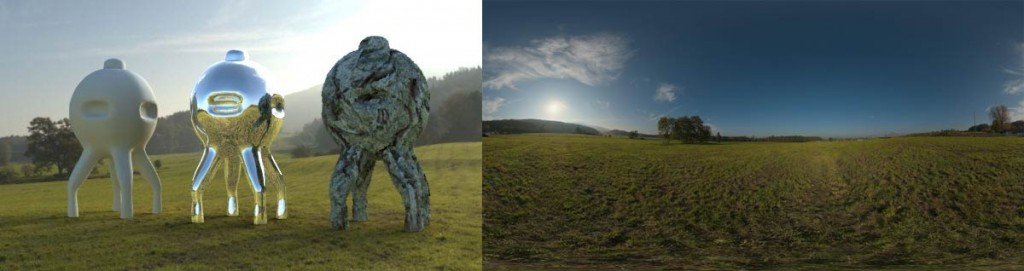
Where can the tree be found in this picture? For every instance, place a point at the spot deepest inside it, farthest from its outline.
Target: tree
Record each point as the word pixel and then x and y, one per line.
pixel 984 127
pixel 157 164
pixel 1000 116
pixel 457 119
pixel 53 144
pixel 5 153
pixel 701 132
pixel 634 134
pixel 301 150
pixel 718 137
pixel 1017 127
pixel 687 129
pixel 315 138
pixel 679 131
pixel 665 128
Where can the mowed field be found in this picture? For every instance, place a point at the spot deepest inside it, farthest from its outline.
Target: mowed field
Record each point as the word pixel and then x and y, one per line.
pixel 553 201
pixel 35 232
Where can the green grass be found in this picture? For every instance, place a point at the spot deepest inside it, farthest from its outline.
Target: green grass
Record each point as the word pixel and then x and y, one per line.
pixel 35 232
pixel 570 201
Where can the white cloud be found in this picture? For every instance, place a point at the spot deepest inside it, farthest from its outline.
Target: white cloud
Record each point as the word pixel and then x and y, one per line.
pixel 491 105
pixel 1016 112
pixel 590 59
pixel 603 104
pixel 1014 86
pixel 666 92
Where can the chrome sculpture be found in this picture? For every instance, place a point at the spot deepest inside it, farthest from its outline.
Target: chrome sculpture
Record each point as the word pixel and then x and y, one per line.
pixel 113 115
pixel 237 116
pixel 376 103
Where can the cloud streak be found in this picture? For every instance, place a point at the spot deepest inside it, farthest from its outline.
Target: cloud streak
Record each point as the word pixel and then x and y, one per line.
pixel 590 59
pixel 1016 86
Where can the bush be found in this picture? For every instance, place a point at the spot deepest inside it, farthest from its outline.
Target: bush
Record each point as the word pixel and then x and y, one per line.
pixel 28 170
pixel 302 151
pixel 7 175
pixel 158 164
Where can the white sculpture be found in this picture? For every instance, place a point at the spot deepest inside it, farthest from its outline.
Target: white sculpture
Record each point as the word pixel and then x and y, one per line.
pixel 113 114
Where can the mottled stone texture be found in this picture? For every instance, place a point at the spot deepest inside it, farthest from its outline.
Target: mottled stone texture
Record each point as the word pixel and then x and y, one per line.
pixel 375 104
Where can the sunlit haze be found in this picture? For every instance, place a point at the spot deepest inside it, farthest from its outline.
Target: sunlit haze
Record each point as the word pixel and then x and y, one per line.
pixel 49 46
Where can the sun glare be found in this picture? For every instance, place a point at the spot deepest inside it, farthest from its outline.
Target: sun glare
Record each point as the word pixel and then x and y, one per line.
pixel 554 108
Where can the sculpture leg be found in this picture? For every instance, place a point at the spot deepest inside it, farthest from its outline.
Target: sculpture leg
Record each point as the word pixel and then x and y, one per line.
pixel 78 175
pixel 277 180
pixel 206 165
pixel 359 190
pixel 257 180
pixel 122 160
pixel 141 160
pixel 346 171
pixel 408 178
pixel 116 206
pixel 232 173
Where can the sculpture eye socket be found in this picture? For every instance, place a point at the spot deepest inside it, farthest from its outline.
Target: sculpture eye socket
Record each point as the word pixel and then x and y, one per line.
pixel 147 110
pixel 96 110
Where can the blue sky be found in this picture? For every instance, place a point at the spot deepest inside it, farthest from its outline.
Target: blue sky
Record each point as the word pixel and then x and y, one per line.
pixel 49 46
pixel 834 69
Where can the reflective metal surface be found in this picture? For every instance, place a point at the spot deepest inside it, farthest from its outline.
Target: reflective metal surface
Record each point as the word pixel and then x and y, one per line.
pixel 237 117
pixel 113 113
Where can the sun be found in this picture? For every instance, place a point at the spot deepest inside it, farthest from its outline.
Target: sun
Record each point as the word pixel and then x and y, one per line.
pixel 554 108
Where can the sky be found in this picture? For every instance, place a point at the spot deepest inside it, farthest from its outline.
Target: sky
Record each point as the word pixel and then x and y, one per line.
pixel 756 68
pixel 49 46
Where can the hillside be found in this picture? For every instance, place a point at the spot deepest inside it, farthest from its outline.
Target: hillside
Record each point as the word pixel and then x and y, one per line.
pixel 524 126
pixel 36 234
pixel 304 106
pixel 941 203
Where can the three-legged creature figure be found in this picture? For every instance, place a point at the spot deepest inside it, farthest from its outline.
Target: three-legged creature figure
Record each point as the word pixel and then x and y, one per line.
pixel 237 119
pixel 113 114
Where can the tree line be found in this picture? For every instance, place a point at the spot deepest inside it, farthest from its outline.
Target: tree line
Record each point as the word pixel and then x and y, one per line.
pixel 686 129
pixel 1001 122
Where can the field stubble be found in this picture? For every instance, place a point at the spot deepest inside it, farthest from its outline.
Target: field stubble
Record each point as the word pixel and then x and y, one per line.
pixel 580 200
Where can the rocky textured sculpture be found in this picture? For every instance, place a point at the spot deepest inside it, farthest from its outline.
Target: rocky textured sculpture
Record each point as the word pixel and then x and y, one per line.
pixel 113 115
pixel 237 118
pixel 375 105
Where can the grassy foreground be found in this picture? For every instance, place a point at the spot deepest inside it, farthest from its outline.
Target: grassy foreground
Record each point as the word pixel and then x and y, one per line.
pixel 554 201
pixel 36 234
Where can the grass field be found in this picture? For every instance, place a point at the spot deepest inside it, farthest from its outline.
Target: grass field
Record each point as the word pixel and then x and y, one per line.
pixel 36 234
pixel 554 201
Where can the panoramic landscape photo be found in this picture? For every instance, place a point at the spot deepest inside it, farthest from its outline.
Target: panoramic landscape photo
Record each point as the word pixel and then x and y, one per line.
pixel 753 134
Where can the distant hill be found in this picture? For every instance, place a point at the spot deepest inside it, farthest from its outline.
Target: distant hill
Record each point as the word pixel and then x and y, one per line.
pixel 523 126
pixel 301 108
pixel 455 111
pixel 304 106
